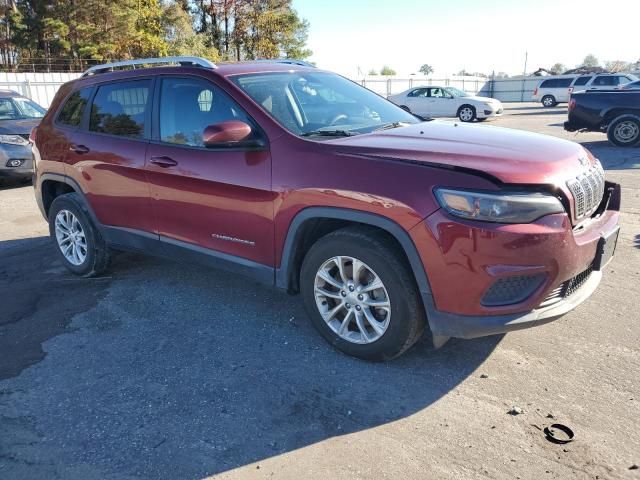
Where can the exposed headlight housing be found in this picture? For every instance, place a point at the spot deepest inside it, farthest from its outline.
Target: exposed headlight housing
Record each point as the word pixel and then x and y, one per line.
pixel 13 140
pixel 504 207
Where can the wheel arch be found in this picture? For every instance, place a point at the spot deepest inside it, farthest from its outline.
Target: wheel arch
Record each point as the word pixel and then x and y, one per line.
pixel 312 223
pixel 52 185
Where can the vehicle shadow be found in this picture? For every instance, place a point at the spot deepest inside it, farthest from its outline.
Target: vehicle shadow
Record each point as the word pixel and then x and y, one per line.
pixel 8 183
pixel 614 158
pixel 540 112
pixel 637 241
pixel 166 370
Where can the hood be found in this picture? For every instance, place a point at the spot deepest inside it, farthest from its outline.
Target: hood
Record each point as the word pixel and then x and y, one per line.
pixel 511 156
pixel 18 127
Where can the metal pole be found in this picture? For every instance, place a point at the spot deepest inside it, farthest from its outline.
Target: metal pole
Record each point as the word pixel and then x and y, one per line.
pixel 524 75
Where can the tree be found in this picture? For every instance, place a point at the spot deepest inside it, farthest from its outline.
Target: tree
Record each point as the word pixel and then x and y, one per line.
pixel 618 66
pixel 558 68
pixel 373 72
pixel 463 73
pixel 387 71
pixel 590 61
pixel 181 37
pixel 426 69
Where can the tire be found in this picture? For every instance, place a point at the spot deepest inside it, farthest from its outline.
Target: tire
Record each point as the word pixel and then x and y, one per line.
pixel 482 119
pixel 624 131
pixel 467 113
pixel 96 253
pixel 549 101
pixel 405 108
pixel 404 318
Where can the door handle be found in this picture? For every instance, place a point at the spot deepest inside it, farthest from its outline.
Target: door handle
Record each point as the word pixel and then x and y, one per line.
pixel 163 161
pixel 79 149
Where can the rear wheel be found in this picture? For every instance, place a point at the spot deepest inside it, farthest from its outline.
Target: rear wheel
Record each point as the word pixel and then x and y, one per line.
pixel 624 131
pixel 79 243
pixel 549 101
pixel 360 294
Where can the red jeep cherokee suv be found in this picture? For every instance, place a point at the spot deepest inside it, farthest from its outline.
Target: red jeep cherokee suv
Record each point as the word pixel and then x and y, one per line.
pixel 385 222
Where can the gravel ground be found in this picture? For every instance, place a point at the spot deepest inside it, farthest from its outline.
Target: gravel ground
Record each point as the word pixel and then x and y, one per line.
pixel 169 371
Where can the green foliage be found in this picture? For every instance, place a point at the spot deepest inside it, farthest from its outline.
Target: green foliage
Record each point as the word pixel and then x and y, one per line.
pixel 558 68
pixel 373 72
pixel 66 34
pixel 387 71
pixel 590 61
pixel 426 69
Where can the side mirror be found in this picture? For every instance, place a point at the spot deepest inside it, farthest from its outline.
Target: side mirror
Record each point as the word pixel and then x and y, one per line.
pixel 225 133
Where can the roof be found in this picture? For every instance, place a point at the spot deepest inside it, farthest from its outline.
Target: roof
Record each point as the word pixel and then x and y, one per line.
pixel 9 93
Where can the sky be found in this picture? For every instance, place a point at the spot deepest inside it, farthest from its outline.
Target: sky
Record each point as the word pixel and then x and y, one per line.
pixel 475 35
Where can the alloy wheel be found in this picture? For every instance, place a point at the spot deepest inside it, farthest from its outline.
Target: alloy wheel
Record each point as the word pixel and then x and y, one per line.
pixel 352 299
pixel 70 237
pixel 466 114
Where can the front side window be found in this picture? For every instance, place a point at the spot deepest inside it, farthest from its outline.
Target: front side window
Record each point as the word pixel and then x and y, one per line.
pixel 419 92
pixel 340 107
pixel 73 108
pixel 189 105
pixel 120 108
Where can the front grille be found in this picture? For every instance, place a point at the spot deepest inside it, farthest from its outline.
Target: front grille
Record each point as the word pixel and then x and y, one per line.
pixel 587 190
pixel 510 290
pixel 568 288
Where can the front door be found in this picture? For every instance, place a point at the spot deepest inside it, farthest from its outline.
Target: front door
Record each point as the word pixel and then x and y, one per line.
pixel 208 199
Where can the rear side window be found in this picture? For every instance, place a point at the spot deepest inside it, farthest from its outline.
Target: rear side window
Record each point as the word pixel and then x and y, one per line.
pixel 556 83
pixel 608 80
pixel 121 108
pixel 581 81
pixel 73 108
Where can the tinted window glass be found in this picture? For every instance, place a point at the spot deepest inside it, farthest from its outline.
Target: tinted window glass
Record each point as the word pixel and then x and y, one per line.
pixel 605 81
pixel 188 106
pixel 71 113
pixel 419 92
pixel 8 110
pixel 556 83
pixel 120 108
pixel 581 81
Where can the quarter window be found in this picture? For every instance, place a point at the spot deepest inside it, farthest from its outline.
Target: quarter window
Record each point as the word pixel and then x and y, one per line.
pixel 73 108
pixel 189 105
pixel 604 81
pixel 120 109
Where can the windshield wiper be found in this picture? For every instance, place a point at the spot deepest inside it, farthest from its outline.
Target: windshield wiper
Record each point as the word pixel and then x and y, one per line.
pixel 328 133
pixel 388 126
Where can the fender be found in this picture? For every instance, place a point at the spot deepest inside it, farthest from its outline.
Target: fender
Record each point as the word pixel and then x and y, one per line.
pixel 70 182
pixel 283 274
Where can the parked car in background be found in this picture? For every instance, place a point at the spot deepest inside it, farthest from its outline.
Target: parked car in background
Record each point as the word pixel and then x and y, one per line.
pixel 615 112
pixel 552 91
pixel 297 177
pixel 631 86
pixel 436 101
pixel 18 115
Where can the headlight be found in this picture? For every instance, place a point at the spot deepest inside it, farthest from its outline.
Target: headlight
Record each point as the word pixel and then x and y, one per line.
pixel 13 140
pixel 498 207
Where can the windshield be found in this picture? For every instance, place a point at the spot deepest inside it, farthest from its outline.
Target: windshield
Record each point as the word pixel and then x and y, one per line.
pixel 321 103
pixel 17 108
pixel 456 93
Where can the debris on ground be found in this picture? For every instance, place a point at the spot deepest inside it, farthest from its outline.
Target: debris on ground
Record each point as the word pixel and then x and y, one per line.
pixel 484 375
pixel 515 411
pixel 558 433
pixel 634 467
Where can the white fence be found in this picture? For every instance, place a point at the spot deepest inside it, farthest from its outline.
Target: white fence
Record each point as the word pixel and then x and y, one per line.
pixel 40 87
pixel 506 90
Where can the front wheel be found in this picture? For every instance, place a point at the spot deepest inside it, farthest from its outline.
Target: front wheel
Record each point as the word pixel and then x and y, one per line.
pixel 361 295
pixel 624 131
pixel 467 113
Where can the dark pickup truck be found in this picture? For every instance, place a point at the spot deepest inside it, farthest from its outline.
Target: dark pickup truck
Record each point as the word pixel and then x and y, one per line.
pixel 616 112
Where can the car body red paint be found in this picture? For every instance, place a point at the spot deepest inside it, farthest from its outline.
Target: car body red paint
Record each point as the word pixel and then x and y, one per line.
pixel 243 202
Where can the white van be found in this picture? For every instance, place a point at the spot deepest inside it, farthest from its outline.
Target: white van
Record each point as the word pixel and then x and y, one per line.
pixel 553 91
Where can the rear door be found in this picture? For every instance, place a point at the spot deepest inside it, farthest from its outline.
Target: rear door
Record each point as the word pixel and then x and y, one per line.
pixel 218 199
pixel 107 155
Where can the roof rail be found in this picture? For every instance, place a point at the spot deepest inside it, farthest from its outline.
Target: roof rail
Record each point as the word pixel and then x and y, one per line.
pixel 108 67
pixel 290 61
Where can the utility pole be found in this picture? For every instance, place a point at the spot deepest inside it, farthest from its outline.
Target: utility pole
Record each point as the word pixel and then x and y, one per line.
pixel 524 75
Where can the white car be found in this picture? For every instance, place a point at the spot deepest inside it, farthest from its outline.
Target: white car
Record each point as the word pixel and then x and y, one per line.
pixel 434 101
pixel 553 91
